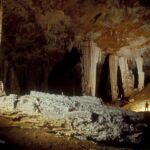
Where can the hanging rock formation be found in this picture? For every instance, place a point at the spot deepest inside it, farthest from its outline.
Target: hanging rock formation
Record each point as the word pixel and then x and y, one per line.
pixel 127 76
pixel 37 35
pixel 113 65
pixel 139 62
pixel 91 56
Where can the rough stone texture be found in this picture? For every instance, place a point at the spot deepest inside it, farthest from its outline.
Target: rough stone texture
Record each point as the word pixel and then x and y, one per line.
pixel 2 90
pixel 139 62
pixel 82 117
pixel 0 20
pixel 127 76
pixel 113 67
pixel 36 34
pixel 91 56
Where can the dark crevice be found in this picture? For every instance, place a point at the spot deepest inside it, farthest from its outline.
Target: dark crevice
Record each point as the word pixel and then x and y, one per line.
pixel 145 3
pixel 135 72
pixel 120 84
pixel 104 89
pixel 64 76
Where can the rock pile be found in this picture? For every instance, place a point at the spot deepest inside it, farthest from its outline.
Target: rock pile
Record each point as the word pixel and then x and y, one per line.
pixel 82 117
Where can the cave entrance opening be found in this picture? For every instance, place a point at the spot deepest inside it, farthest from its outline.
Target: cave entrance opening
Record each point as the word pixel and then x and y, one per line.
pixel 65 77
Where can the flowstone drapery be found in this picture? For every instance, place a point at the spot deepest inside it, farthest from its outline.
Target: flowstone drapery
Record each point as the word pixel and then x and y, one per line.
pixel 127 75
pixel 139 62
pixel 113 67
pixel 91 55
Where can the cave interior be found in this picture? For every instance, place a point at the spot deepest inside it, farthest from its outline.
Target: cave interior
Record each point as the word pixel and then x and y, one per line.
pixel 98 48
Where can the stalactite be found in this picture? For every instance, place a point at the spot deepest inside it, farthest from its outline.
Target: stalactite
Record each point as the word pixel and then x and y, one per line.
pixel 139 62
pixel 85 67
pixel 127 76
pixel 89 60
pixel 113 67
pixel 94 60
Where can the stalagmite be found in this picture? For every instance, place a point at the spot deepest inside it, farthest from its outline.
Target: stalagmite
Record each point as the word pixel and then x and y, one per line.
pixel 89 60
pixel 113 67
pixel 139 62
pixel 126 76
pixel 2 90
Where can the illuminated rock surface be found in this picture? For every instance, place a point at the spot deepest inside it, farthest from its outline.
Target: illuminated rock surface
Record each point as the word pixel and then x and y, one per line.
pixel 37 34
pixel 81 117
pixel 137 102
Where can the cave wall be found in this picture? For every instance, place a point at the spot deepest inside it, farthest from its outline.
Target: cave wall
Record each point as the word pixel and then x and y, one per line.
pixel 35 39
pixel 37 35
pixel 0 20
pixel 1 66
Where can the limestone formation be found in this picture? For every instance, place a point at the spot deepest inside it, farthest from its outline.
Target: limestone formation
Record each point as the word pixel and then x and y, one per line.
pixel 2 90
pixel 139 62
pixel 113 67
pixel 91 56
pixel 127 76
pixel 82 117
pixel 38 33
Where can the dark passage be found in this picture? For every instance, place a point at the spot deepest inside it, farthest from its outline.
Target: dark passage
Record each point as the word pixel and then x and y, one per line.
pixel 65 76
pixel 147 80
pixel 104 89
pixel 135 72
pixel 120 84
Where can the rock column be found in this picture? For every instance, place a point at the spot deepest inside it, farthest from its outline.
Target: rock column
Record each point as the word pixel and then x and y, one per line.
pixel 127 76
pixel 139 63
pixel 113 67
pixel 89 60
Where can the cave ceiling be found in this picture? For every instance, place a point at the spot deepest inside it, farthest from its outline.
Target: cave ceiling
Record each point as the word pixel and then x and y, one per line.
pixel 55 25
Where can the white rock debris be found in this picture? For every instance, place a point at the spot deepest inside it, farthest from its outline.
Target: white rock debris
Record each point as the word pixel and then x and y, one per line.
pixel 83 117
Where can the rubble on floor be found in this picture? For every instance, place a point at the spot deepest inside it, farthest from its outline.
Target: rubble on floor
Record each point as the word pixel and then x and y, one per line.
pixel 82 117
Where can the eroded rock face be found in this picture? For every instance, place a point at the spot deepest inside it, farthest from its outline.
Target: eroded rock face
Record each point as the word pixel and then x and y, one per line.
pixel 81 117
pixel 54 25
pixel 37 34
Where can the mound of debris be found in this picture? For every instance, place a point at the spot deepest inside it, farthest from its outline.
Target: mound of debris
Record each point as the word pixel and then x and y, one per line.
pixel 82 117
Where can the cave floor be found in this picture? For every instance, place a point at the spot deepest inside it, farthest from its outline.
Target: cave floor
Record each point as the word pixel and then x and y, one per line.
pixel 137 102
pixel 25 133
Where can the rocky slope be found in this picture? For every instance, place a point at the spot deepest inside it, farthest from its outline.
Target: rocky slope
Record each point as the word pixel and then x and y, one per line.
pixel 81 117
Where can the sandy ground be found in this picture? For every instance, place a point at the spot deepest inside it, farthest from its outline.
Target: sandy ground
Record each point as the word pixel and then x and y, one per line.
pixel 24 134
pixel 21 132
pixel 137 102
